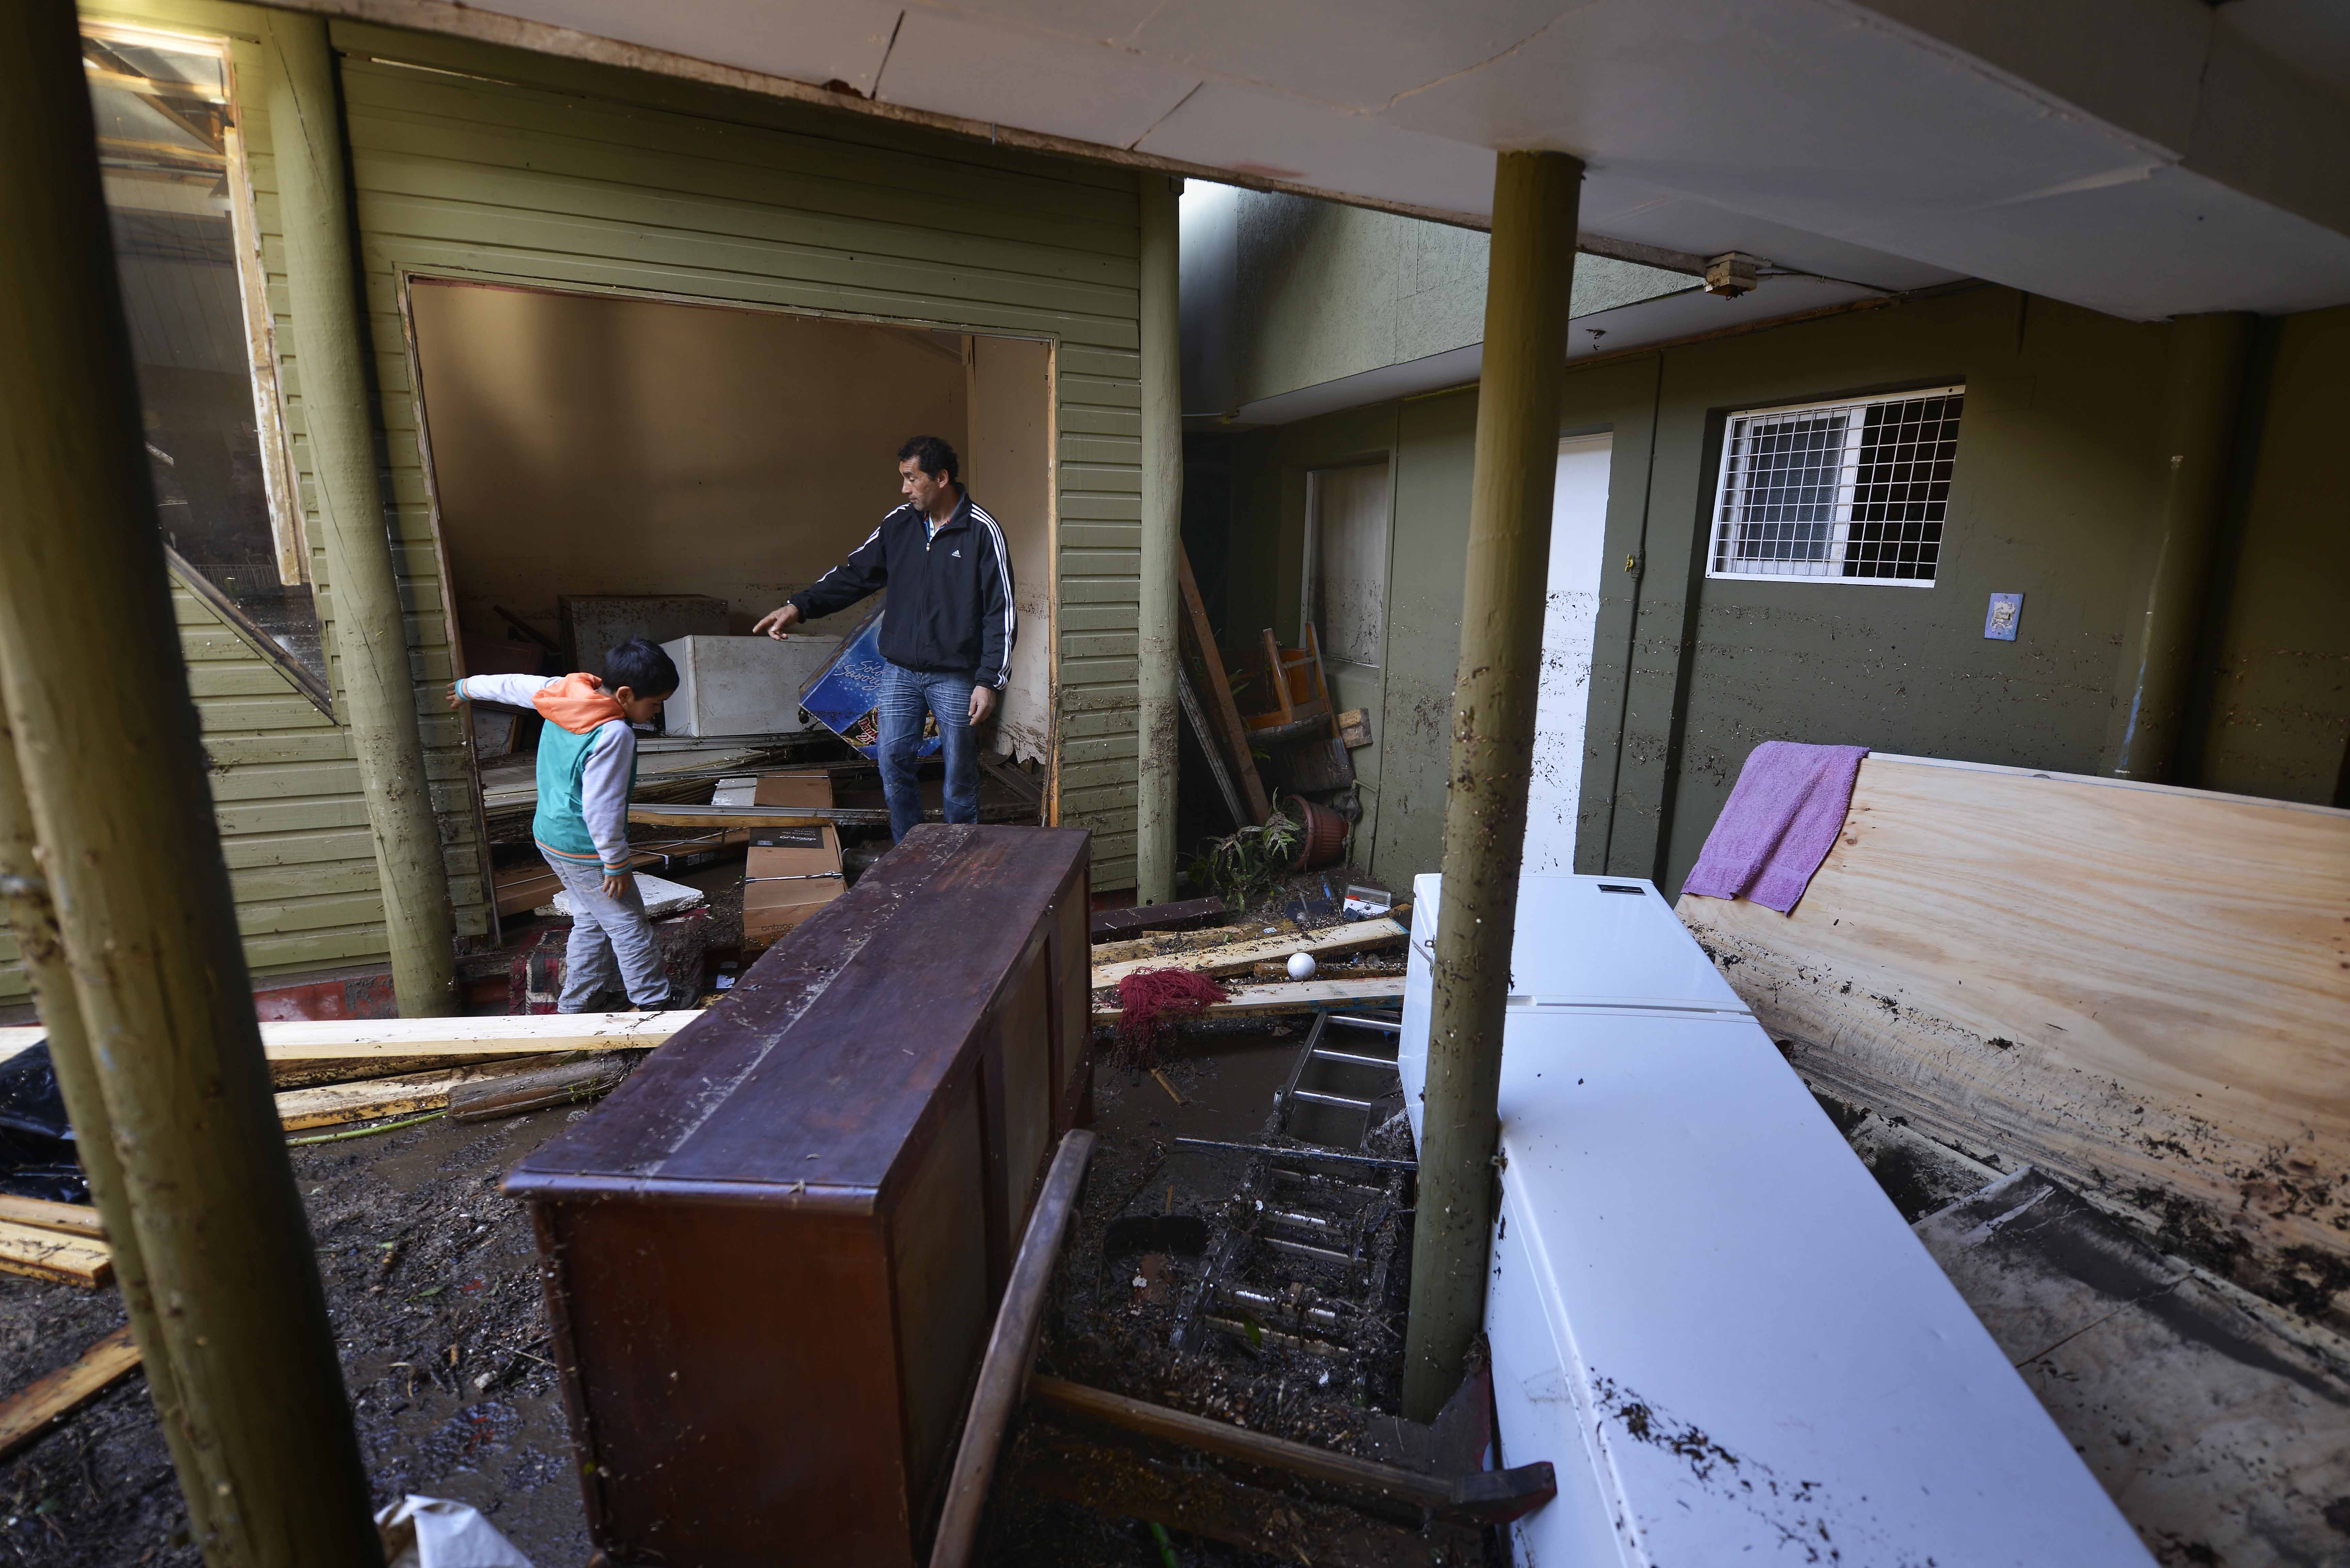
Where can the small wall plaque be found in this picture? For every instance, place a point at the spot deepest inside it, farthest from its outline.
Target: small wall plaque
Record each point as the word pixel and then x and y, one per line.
pixel 2006 611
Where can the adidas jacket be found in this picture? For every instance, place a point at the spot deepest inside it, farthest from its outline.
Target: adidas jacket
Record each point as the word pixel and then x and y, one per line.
pixel 949 598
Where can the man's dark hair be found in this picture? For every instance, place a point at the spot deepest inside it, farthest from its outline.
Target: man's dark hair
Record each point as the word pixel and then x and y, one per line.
pixel 934 455
pixel 642 667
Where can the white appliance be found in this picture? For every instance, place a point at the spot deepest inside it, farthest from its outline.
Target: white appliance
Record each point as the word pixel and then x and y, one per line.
pixel 743 685
pixel 1702 1309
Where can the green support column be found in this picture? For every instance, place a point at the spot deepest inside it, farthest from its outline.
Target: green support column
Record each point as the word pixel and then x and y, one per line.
pixel 1527 283
pixel 108 747
pixel 32 917
pixel 1157 714
pixel 2203 392
pixel 379 693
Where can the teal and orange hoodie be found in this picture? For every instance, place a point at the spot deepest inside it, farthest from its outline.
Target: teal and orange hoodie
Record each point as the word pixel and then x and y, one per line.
pixel 586 764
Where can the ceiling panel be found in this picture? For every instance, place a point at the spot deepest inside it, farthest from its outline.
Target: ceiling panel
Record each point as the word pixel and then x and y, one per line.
pixel 1258 133
pixel 813 41
pixel 952 66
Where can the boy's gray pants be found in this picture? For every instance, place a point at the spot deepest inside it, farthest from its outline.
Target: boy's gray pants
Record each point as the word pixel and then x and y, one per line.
pixel 602 930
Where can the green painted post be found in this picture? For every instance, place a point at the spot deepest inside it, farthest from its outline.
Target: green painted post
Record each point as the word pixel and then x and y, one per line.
pixel 2203 393
pixel 379 692
pixel 1157 710
pixel 32 916
pixel 1529 276
pixel 106 741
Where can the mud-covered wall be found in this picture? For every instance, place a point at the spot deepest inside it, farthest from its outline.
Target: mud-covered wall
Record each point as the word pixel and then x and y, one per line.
pixel 2279 717
pixel 2054 496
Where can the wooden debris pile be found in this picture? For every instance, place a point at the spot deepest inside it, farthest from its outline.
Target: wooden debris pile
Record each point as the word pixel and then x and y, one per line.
pixel 1233 955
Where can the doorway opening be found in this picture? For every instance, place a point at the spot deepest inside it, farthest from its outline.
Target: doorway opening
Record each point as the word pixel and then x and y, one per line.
pixel 604 464
pixel 1578 528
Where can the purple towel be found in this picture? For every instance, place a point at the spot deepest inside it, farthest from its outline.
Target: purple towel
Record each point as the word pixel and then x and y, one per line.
pixel 1782 818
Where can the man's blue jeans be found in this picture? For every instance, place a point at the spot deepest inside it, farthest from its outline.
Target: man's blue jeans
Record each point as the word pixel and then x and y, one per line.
pixel 906 696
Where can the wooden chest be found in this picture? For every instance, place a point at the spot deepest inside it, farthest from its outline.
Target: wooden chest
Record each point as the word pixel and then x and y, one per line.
pixel 773 1256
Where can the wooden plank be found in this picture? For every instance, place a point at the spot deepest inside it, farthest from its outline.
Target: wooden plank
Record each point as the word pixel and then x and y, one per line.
pixel 653 815
pixel 1289 996
pixel 1131 921
pixel 452 1040
pixel 44 1254
pixel 1218 686
pixel 1232 958
pixel 73 1219
pixel 1161 943
pixel 26 1414
pixel 365 1099
pixel 2142 990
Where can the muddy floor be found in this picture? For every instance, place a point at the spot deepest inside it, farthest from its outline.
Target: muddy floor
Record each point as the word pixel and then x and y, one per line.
pixel 432 1287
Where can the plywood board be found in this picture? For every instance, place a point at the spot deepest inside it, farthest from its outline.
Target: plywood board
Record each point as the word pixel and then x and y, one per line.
pixel 44 1254
pixel 26 1414
pixel 1234 958
pixel 74 1219
pixel 2142 990
pixel 1290 996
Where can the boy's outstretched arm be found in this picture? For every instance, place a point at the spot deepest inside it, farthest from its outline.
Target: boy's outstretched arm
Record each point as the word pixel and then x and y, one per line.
pixel 514 690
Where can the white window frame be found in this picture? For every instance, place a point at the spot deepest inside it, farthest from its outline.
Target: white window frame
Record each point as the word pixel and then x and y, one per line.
pixel 1729 488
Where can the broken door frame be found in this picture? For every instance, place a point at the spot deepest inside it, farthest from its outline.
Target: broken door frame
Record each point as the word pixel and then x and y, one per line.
pixel 408 275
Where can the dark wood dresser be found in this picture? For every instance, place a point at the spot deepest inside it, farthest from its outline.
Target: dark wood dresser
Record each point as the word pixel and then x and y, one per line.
pixel 771 1257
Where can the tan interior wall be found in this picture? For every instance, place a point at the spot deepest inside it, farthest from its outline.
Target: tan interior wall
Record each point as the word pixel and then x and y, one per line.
pixel 1008 465
pixel 593 443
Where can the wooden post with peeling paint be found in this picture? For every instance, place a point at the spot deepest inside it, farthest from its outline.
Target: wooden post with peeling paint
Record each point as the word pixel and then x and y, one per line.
pixel 32 919
pixel 1157 710
pixel 1528 278
pixel 107 744
pixel 379 693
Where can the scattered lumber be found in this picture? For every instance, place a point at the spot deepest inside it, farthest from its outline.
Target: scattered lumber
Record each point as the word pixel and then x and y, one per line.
pixel 509 1091
pixel 371 1047
pixel 1112 924
pixel 41 1253
pixel 650 815
pixel 1289 996
pixel 1164 942
pixel 1489 1497
pixel 408 1093
pixel 73 1219
pixel 27 1413
pixel 1234 958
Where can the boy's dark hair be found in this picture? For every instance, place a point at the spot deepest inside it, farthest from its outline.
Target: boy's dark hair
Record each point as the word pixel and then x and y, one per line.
pixel 935 455
pixel 642 667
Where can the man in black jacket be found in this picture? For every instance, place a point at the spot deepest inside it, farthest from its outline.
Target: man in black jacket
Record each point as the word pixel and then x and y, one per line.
pixel 948 635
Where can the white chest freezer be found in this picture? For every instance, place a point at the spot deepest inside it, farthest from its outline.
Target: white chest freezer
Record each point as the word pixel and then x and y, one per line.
pixel 1702 1309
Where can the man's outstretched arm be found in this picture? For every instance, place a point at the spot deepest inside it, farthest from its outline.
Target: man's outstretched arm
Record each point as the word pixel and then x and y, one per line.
pixel 867 571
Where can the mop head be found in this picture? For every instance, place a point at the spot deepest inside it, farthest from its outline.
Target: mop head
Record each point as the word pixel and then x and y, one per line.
pixel 1152 1001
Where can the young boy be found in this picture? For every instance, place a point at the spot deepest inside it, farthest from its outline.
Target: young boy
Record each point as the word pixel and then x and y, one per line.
pixel 587 768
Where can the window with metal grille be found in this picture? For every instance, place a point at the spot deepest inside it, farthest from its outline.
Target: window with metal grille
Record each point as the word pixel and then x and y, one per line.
pixel 1853 491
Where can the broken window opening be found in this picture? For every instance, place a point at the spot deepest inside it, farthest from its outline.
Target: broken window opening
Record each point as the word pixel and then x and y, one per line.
pixel 187 260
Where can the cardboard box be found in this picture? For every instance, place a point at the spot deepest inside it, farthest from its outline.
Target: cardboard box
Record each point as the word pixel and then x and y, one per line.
pixel 791 872
pixel 743 685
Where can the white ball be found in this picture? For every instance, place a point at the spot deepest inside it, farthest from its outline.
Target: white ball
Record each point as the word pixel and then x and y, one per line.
pixel 1301 966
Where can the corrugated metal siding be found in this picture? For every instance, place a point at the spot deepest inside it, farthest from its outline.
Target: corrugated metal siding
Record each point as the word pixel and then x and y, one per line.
pixel 530 169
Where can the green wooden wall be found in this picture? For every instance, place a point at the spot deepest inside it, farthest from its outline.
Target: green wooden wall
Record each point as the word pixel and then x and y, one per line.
pixel 474 161
pixel 285 784
pixel 496 164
